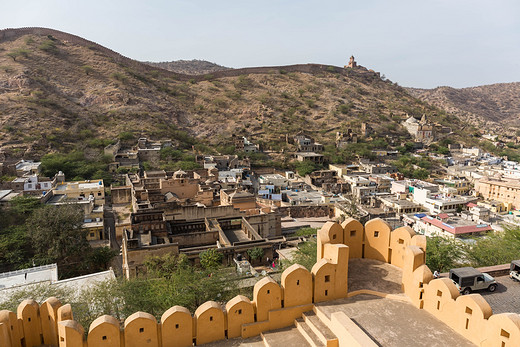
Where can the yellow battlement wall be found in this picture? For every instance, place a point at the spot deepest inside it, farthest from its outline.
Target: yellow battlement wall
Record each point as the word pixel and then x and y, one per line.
pixel 275 306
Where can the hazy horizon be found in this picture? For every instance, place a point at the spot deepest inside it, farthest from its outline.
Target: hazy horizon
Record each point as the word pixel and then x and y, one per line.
pixel 441 43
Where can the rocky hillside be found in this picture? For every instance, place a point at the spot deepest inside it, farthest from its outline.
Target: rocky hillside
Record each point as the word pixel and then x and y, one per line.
pixel 189 67
pixel 59 91
pixel 491 105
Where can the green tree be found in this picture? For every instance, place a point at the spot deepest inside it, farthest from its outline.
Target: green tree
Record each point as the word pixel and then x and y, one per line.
pixel 255 253
pixel 306 231
pixel 100 258
pixel 87 69
pixel 305 254
pixel 57 234
pixel 21 52
pixel 305 167
pixel 211 259
pixel 443 254
pixel 495 248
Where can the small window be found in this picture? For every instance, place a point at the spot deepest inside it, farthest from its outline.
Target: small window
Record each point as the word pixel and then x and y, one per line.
pixel 352 233
pixel 268 291
pixel 327 278
pixel 141 330
pixel 211 318
pixel 91 234
pixel 469 310
pixel 240 311
pixel 298 282
pixel 376 233
pixel 104 338
pixel 98 194
pixel 401 241
pixel 504 333
pixel 334 236
pixel 438 305
pixel 439 293
pixel 326 292
pixel 176 326
pixel 29 319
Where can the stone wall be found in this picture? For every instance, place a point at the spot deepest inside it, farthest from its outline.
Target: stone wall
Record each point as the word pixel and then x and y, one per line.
pixel 307 211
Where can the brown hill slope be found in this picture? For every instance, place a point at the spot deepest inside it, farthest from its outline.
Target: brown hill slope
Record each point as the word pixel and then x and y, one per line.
pixel 189 67
pixel 494 104
pixel 59 91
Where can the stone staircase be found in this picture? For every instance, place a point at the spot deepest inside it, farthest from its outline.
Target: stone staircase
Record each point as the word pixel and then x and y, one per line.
pixel 309 330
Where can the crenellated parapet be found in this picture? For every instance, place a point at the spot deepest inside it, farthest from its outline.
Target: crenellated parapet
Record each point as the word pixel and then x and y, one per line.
pixel 274 305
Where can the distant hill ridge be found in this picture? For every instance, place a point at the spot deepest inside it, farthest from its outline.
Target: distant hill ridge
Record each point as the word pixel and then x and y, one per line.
pixel 61 92
pixel 189 67
pixel 495 104
pixel 14 33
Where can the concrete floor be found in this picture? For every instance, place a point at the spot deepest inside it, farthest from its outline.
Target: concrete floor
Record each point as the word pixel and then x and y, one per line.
pixel 374 275
pixel 255 341
pixel 236 235
pixel 394 323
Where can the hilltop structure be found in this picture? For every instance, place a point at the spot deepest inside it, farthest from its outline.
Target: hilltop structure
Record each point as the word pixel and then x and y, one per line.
pixel 316 302
pixel 352 63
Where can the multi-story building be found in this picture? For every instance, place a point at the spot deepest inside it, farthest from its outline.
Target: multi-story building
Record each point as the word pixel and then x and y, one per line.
pixel 459 183
pixel 505 190
pixel 449 226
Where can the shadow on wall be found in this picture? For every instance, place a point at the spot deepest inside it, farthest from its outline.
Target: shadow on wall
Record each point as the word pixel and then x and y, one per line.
pixel 276 306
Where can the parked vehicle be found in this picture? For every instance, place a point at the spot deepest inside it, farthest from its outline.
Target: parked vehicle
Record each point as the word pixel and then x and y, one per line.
pixel 468 279
pixel 515 270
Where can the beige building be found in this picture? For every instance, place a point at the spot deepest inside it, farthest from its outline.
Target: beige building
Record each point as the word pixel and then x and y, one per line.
pixel 238 199
pixel 82 190
pixel 90 196
pixel 505 190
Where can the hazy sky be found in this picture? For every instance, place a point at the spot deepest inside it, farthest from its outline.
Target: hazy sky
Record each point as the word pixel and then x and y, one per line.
pixel 416 43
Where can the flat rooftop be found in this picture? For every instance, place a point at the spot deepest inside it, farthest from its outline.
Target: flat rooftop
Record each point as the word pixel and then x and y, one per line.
pixel 81 185
pixel 45 273
pixel 394 323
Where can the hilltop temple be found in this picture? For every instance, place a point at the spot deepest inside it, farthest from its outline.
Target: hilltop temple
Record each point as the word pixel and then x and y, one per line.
pixel 352 63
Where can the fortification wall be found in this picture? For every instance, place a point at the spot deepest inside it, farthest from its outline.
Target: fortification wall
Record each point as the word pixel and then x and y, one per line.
pixel 306 211
pixel 469 315
pixel 14 33
pixel 276 306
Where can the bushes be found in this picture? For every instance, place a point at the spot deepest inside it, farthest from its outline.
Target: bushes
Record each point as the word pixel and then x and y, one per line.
pixel 211 259
pixel 76 166
pixel 21 52
pixel 48 46
pixel 119 76
pixel 305 167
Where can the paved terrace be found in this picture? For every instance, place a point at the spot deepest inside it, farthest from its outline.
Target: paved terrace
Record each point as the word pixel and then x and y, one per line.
pixel 394 323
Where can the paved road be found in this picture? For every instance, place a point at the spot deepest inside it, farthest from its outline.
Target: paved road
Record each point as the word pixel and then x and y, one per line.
pixel 117 261
pixel 507 296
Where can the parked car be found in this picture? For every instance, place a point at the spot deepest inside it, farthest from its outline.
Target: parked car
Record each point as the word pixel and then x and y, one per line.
pixel 468 279
pixel 515 270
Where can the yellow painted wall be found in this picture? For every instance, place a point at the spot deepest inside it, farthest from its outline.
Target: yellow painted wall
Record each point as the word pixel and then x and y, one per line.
pixel 297 286
pixel 177 327
pixel 28 313
pixel 267 295
pixel 104 332
pixel 240 311
pixel 141 330
pixel 210 323
pixel 377 240
pixel 353 237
